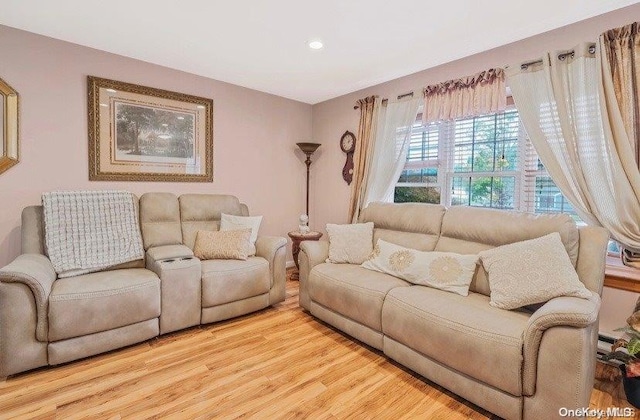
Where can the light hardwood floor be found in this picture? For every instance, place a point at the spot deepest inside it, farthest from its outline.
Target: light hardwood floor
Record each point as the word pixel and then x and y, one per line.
pixel 277 363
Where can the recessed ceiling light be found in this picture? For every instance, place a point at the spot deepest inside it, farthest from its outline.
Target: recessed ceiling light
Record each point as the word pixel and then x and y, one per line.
pixel 315 44
pixel 200 107
pixel 181 118
pixel 111 90
pixel 104 105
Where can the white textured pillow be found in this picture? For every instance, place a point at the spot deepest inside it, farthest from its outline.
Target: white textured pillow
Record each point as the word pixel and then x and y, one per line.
pixel 530 272
pixel 230 222
pixel 440 270
pixel 350 243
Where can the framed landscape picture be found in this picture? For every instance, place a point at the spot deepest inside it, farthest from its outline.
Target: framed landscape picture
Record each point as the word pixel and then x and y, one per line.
pixel 139 133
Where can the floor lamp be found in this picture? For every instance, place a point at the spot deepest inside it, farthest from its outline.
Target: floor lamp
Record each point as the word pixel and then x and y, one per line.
pixel 308 149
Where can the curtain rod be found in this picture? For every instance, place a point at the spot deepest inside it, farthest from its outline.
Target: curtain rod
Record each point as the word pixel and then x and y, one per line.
pixel 524 66
pixel 404 95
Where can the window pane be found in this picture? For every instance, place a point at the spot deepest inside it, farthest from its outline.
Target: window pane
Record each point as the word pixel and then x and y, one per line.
pixel 613 248
pixel 495 192
pixel 549 199
pixel 417 195
pixel 487 143
pixel 463 158
pixel 419 176
pixel 483 157
pixel 424 143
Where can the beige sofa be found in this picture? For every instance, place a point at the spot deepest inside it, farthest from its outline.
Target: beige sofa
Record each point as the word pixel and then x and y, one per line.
pixel 521 364
pixel 48 321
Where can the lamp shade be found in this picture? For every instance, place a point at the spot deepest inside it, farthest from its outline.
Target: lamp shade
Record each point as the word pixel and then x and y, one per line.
pixel 308 148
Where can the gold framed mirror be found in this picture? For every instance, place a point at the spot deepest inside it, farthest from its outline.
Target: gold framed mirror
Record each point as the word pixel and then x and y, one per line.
pixel 9 146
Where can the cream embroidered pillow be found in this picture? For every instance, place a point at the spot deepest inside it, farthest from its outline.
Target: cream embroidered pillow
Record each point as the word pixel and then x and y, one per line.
pixel 350 243
pixel 440 270
pixel 224 245
pixel 529 272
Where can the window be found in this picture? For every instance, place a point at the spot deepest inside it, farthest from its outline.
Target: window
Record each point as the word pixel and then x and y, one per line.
pixel 419 180
pixel 483 161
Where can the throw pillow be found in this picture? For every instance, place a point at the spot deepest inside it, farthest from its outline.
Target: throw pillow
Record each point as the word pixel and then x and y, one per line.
pixel 530 272
pixel 441 270
pixel 230 222
pixel 226 245
pixel 350 244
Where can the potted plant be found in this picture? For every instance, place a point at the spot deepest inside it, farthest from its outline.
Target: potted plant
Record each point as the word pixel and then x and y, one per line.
pixel 630 358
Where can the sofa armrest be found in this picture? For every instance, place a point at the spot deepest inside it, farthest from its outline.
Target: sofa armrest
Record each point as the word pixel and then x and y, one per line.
pixel 36 272
pixel 592 256
pixel 268 246
pixel 558 312
pixel 311 254
pixel 273 249
pixel 316 252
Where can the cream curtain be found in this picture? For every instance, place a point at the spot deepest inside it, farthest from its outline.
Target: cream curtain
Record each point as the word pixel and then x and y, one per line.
pixel 566 108
pixel 392 139
pixel 369 111
pixel 482 93
pixel 621 50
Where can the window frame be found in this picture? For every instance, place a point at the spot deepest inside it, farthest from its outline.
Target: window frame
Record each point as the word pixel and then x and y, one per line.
pixel 445 162
pixel 525 174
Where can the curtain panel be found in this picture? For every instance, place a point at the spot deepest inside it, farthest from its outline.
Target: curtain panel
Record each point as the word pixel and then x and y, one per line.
pixel 390 148
pixel 566 108
pixel 621 48
pixel 369 111
pixel 482 93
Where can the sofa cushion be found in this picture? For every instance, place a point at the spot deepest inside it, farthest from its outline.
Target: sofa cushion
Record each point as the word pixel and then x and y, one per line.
pixel 231 222
pixel 203 212
pixel 351 243
pixel 160 219
pixel 443 270
pixel 414 225
pixel 352 291
pixel 531 272
pixel 470 230
pixel 229 245
pixel 225 281
pixel 464 333
pixel 102 301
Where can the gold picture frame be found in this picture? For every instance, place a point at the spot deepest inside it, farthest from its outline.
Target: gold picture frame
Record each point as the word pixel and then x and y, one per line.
pixel 140 133
pixel 9 141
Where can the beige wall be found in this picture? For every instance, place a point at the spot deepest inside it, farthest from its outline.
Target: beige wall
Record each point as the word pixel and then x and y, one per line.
pixel 331 119
pixel 254 133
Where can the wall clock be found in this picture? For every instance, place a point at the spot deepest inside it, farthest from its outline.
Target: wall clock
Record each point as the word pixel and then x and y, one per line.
pixel 348 145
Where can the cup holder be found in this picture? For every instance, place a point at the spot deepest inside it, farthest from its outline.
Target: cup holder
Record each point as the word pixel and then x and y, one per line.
pixel 168 261
pixel 186 258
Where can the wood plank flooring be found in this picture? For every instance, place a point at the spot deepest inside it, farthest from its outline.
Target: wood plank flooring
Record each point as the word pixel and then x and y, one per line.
pixel 277 363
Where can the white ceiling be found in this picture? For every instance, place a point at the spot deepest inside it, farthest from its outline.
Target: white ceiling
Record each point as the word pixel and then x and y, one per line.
pixel 261 44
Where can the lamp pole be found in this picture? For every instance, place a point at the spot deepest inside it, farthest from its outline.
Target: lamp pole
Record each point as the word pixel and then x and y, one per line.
pixel 308 149
pixel 308 163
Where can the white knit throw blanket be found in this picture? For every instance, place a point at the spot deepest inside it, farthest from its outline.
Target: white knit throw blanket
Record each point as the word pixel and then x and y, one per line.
pixel 87 231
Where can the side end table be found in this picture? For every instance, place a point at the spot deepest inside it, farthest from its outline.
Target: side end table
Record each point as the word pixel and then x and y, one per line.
pixel 296 238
